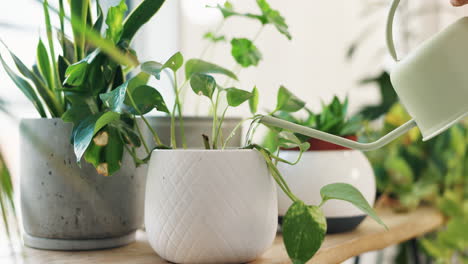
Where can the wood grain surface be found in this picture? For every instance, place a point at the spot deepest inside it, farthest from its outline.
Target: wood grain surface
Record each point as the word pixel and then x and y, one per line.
pixel 337 248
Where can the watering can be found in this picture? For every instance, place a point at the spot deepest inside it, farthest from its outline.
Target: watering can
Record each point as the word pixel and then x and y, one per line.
pixel 431 82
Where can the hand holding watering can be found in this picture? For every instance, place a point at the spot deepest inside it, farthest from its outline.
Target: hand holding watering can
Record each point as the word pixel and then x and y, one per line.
pixel 459 2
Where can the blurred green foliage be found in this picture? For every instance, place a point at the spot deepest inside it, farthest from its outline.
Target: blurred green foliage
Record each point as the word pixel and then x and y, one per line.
pixel 433 172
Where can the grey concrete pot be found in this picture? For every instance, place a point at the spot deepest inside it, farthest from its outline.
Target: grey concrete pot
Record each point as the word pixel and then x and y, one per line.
pixel 65 207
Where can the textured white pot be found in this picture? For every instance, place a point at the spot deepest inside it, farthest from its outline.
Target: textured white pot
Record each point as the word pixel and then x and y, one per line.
pixel 210 206
pixel 319 168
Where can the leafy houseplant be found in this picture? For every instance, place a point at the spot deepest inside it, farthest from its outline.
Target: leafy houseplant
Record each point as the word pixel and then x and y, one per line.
pixel 64 86
pixel 104 132
pixel 181 182
pixel 332 119
pixel 318 166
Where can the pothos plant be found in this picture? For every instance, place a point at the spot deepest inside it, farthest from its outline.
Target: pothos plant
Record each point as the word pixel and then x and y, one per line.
pixel 332 119
pixel 65 82
pixel 304 225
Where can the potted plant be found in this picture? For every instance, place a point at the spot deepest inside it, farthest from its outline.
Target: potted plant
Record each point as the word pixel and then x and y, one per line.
pixel 218 205
pixel 66 203
pixel 245 54
pixel 324 163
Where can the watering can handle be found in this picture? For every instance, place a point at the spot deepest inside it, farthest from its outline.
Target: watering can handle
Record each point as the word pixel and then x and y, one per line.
pixel 389 30
pixel 307 131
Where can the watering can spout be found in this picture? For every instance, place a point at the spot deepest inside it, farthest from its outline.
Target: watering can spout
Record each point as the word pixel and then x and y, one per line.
pixel 310 132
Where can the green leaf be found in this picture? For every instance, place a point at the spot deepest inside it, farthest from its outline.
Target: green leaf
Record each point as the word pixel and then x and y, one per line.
pixel 203 84
pixel 47 95
pixel 76 74
pixel 388 95
pixel 140 16
pixel 44 65
pixel 152 67
pixel 245 52
pixel 194 66
pixel 287 139
pixel 146 98
pixel 81 107
pixel 304 229
pixel 115 99
pixel 113 152
pixel 130 136
pixel 84 132
pixel 236 97
pixel 114 20
pixel 253 101
pixel 155 68
pixel 25 87
pixel 174 62
pixel 100 17
pixel 213 38
pixel 288 102
pixel 79 13
pixel 274 17
pixel 347 192
pixel 227 9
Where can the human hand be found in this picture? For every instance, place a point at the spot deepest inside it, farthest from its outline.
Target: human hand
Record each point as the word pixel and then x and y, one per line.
pixel 459 2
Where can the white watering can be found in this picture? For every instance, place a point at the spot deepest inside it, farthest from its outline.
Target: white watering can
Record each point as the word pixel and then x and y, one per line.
pixel 431 82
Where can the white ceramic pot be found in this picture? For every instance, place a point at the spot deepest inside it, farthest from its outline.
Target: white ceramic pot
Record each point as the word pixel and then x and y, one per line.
pixel 210 206
pixel 319 168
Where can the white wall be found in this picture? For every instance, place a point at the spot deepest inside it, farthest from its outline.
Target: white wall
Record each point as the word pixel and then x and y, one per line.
pixel 313 64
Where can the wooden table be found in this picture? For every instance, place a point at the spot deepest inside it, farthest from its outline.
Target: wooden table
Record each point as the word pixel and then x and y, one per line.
pixel 336 248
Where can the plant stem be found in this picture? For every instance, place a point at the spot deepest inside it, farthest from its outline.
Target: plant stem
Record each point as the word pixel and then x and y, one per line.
pixel 179 107
pixel 206 141
pixel 62 27
pixel 55 74
pixel 142 138
pixel 134 156
pixel 155 135
pixel 215 121
pixel 210 43
pixel 277 176
pixel 233 132
pixel 218 129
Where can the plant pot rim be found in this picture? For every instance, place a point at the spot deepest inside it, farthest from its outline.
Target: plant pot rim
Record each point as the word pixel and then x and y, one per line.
pixel 41 118
pixel 229 150
pixel 192 117
pixel 317 145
